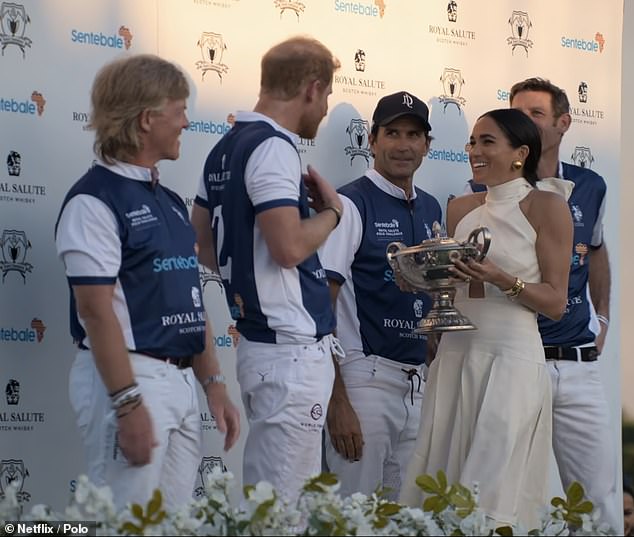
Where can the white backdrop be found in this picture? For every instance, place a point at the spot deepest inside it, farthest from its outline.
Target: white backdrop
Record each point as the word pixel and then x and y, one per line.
pixel 461 57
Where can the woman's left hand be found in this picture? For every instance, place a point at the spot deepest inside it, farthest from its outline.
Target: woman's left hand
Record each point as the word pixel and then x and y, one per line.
pixel 483 271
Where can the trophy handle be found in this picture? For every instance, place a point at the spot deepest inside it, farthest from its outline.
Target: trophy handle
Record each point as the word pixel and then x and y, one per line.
pixel 392 251
pixel 486 241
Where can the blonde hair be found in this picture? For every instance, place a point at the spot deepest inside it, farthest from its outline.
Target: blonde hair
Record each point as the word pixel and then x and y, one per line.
pixel 121 91
pixel 290 64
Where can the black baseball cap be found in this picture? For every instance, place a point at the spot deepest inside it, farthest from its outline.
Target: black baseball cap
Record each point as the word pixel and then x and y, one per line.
pixel 400 104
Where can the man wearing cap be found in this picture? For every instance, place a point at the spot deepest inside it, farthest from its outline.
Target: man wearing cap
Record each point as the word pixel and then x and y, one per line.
pixel 374 410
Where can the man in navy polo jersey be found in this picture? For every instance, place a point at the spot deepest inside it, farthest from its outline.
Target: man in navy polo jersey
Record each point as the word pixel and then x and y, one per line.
pixel 136 305
pixel 374 411
pixel 582 434
pixel 254 227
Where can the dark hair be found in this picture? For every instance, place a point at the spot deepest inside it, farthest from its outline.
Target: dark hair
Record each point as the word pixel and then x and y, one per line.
pixel 558 97
pixel 520 130
pixel 628 488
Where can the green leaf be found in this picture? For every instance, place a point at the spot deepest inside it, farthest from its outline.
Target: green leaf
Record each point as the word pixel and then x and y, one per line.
pixel 585 507
pixel 506 531
pixel 154 505
pixel 137 511
pixel 247 490
pixel 442 480
pixel 130 529
pixel 431 504
pixel 428 484
pixel 575 493
pixel 558 502
pixel 388 509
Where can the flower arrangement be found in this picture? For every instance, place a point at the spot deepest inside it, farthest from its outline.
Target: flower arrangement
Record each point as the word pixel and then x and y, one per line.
pixel 447 510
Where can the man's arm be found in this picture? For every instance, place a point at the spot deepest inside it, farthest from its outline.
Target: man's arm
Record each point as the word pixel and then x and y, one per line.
pixel 342 421
pixel 94 306
pixel 207 371
pixel 599 282
pixel 206 250
pixel 291 239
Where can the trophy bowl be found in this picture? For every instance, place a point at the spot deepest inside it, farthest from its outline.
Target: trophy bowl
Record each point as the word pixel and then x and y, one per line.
pixel 426 268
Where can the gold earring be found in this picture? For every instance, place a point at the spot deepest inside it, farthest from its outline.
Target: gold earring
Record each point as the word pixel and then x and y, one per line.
pixel 517 164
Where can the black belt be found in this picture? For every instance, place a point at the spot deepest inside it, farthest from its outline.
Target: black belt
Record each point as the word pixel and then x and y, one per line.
pixel 575 354
pixel 181 363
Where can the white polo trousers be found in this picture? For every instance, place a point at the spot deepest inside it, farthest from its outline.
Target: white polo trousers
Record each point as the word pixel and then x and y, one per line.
pixel 381 394
pixel 285 391
pixel 170 396
pixel 582 435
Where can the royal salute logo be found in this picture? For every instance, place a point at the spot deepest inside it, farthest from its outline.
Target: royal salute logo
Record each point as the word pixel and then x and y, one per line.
pixel 206 468
pixel 13 21
pixel 212 47
pixel 585 115
pixel 12 392
pixel 452 83
pixel 290 5
pixel 520 27
pixel 14 163
pixel 18 420
pixel 418 308
pixel 18 191
pixel 358 132
pixel 216 3
pixel 14 245
pixel 452 11
pixel 14 472
pixel 582 156
pixel 582 91
pixel 355 84
pixel 451 35
pixel 359 61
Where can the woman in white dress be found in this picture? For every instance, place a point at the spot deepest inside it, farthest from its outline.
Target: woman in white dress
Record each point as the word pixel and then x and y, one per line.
pixel 486 415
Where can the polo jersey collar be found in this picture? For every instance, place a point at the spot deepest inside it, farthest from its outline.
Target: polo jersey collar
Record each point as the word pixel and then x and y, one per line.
pixel 383 184
pixel 131 171
pixel 256 116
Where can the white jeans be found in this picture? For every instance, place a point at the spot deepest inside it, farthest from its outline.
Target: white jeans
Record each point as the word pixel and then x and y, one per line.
pixel 170 397
pixel 582 435
pixel 388 403
pixel 285 390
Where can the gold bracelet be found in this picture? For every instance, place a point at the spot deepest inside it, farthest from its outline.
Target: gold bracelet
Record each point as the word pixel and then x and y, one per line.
pixel 515 289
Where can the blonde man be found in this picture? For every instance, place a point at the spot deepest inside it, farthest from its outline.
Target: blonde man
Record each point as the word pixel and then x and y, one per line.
pixel 136 305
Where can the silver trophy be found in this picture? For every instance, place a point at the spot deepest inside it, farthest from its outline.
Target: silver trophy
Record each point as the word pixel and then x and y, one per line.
pixel 426 268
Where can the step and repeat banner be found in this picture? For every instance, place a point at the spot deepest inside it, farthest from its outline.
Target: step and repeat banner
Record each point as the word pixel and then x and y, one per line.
pixel 461 57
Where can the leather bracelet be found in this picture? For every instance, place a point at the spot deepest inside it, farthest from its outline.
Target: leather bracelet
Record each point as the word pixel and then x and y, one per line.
pixel 516 288
pixel 213 379
pixel 336 211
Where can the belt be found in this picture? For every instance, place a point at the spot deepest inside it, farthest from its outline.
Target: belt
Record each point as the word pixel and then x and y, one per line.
pixel 575 354
pixel 181 363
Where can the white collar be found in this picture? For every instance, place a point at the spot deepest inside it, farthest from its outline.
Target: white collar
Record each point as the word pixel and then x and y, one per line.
pixel 242 115
pixel 387 187
pixel 131 171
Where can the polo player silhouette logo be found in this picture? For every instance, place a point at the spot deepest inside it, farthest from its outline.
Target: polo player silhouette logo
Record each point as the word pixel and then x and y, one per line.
pixel 452 11
pixel 13 21
pixel 290 5
pixel 212 47
pixel 582 90
pixel 205 471
pixel 12 392
pixel 358 131
pixel 452 83
pixel 13 472
pixel 359 61
pixel 582 156
pixel 14 245
pixel 520 26
pixel 14 163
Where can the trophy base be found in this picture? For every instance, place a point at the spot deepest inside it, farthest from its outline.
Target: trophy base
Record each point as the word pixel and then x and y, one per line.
pixel 444 321
pixel 443 316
